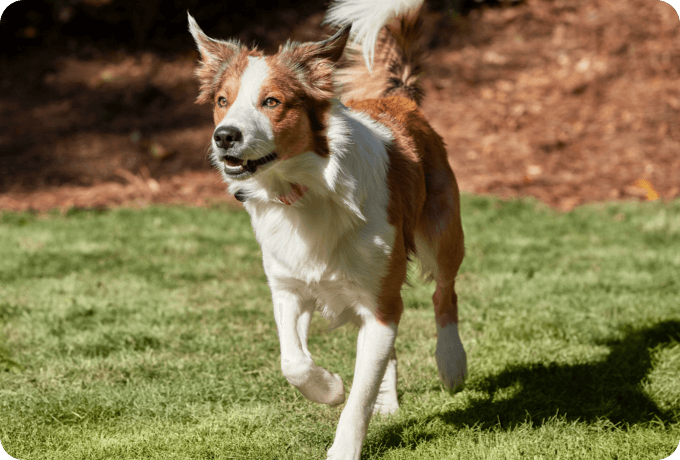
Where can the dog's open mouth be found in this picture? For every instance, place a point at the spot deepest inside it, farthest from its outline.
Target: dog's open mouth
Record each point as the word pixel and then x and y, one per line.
pixel 237 167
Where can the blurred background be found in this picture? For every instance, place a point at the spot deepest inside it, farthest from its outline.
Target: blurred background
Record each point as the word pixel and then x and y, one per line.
pixel 567 101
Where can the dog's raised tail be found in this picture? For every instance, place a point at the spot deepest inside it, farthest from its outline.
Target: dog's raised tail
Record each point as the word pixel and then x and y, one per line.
pixel 388 48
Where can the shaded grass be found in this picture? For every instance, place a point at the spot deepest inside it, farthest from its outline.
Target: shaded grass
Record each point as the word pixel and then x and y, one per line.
pixel 148 334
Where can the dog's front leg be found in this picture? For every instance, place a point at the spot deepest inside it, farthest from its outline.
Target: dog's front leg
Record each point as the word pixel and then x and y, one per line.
pixel 386 403
pixel 292 317
pixel 374 349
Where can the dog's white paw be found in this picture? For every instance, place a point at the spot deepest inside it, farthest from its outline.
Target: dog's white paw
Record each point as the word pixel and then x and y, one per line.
pixel 324 388
pixel 314 382
pixel 451 358
pixel 346 452
pixel 385 408
pixel 335 391
pixel 350 434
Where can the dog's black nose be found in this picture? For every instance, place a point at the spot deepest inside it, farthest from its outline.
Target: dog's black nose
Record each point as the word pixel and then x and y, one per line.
pixel 226 136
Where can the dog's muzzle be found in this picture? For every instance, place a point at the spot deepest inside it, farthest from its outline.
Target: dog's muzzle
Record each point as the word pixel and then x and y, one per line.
pixel 237 167
pixel 226 137
pixel 228 141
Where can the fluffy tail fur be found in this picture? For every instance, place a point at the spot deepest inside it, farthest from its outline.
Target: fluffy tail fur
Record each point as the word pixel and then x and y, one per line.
pixel 389 36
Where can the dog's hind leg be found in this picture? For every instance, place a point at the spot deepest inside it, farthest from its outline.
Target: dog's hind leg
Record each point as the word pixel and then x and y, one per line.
pixel 450 354
pixel 293 316
pixel 440 247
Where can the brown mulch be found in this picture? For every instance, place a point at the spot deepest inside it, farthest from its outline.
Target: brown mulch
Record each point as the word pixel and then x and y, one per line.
pixel 570 102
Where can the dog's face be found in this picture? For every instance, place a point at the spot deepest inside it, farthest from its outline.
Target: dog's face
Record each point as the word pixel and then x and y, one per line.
pixel 266 108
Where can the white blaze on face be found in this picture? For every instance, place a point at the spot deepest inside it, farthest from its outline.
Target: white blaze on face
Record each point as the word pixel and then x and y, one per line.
pixel 252 79
pixel 245 113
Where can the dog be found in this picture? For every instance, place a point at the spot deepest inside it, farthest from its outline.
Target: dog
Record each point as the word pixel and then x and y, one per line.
pixel 344 181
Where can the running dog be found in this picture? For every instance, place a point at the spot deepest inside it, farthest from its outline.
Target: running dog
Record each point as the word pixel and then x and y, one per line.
pixel 344 181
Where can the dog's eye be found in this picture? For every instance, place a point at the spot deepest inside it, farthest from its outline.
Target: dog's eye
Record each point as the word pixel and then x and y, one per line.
pixel 222 102
pixel 271 102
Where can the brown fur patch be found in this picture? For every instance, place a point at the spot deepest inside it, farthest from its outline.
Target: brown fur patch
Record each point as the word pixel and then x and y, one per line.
pixel 305 86
pixel 424 199
pixel 290 118
pixel 303 73
pixel 390 303
pixel 450 251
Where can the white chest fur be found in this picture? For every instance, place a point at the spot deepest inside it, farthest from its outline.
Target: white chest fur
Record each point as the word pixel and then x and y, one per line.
pixel 318 252
pixel 335 242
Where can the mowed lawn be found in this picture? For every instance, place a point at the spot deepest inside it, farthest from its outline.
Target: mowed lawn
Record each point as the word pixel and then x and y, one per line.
pixel 148 334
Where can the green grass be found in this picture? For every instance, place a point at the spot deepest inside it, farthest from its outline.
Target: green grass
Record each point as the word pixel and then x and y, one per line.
pixel 148 334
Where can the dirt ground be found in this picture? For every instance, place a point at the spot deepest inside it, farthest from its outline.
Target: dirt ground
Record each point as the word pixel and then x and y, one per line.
pixel 567 101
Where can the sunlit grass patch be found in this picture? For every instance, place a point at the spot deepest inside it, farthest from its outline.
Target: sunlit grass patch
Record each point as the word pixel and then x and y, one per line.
pixel 149 334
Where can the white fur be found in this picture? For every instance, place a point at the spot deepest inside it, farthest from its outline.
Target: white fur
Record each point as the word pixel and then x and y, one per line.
pixel 387 403
pixel 367 17
pixel 292 320
pixel 450 356
pixel 334 242
pixel 373 352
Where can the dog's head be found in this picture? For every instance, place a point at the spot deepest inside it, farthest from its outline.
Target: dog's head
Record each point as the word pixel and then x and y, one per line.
pixel 266 108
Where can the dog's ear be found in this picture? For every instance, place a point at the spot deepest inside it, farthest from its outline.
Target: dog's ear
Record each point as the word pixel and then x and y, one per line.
pixel 209 48
pixel 215 55
pixel 314 62
pixel 330 49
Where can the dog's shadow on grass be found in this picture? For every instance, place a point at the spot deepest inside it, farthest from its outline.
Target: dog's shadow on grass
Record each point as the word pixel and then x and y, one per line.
pixel 610 389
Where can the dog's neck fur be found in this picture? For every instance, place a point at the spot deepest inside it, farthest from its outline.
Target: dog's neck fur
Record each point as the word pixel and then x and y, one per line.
pixel 347 190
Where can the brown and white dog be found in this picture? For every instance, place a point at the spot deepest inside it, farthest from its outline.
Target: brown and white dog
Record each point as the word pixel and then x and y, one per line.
pixel 344 180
